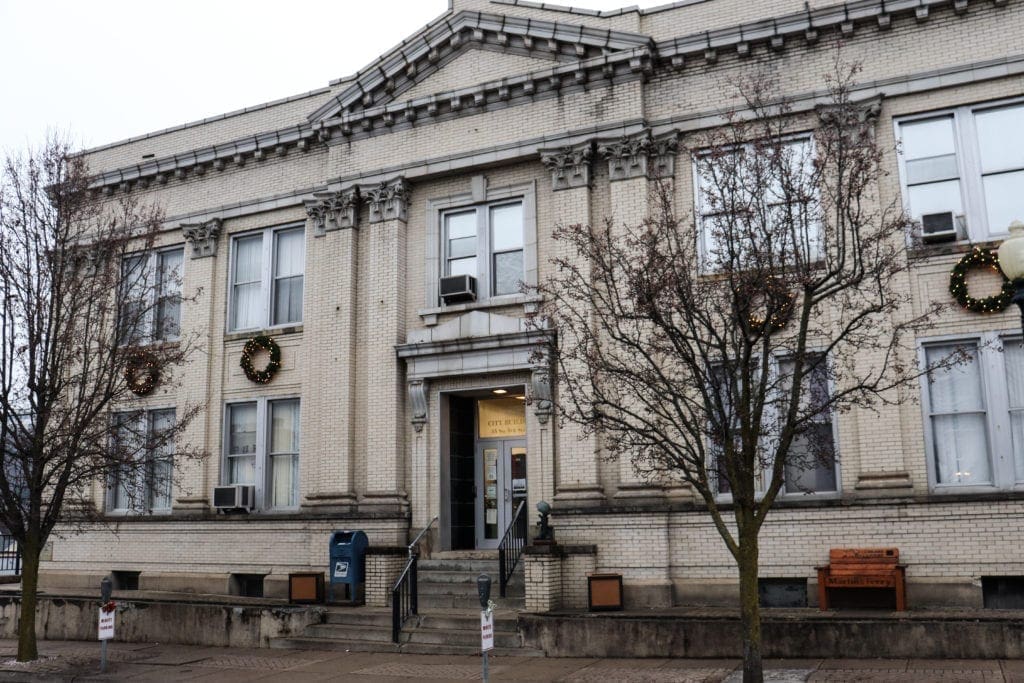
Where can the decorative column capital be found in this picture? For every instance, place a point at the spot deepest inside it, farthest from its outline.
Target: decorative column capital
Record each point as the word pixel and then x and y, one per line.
pixel 864 111
pixel 640 155
pixel 389 201
pixel 569 166
pixel 202 237
pixel 333 210
pixel 662 161
pixel 627 156
pixel 418 400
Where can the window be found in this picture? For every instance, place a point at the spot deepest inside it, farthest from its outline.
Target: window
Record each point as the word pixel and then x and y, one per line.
pixel 487 243
pixel 974 412
pixel 262 448
pixel 811 461
pixel 968 161
pixel 152 298
pixel 146 439
pixel 267 277
pixel 734 217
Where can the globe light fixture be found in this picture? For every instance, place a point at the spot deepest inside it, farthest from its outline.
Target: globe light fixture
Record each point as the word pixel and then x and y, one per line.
pixel 1011 261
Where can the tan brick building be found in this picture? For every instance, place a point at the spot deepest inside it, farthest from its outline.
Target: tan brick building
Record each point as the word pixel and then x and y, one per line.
pixel 328 220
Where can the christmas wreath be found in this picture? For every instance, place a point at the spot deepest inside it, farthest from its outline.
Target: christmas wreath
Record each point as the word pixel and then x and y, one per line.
pixel 254 346
pixel 979 258
pixel 779 303
pixel 141 372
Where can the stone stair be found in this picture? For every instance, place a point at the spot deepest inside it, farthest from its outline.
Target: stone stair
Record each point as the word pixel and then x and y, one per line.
pixel 449 615
pixel 448 581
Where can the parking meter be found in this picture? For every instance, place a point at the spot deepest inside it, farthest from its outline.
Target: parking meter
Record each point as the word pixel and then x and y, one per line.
pixel 106 589
pixel 483 587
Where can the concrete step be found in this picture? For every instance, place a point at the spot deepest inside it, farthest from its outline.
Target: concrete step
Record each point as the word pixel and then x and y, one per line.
pixel 456 565
pixel 468 638
pixel 341 616
pixel 350 632
pixel 442 601
pixel 504 622
pixel 448 577
pixel 467 590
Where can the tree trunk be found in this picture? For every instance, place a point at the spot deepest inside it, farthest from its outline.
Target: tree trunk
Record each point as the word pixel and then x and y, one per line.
pixel 750 608
pixel 27 650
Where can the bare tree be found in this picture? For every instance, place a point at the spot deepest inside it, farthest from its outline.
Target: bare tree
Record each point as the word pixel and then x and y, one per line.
pixel 716 349
pixel 81 313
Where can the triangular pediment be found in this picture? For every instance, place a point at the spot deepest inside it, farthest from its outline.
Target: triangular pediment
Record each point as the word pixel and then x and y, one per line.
pixel 445 43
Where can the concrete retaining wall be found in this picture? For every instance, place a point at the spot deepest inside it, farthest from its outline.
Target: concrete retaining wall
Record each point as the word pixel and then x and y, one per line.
pixel 804 635
pixel 220 625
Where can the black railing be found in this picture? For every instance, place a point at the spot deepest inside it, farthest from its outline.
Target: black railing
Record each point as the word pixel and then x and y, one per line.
pixel 10 556
pixel 511 546
pixel 404 599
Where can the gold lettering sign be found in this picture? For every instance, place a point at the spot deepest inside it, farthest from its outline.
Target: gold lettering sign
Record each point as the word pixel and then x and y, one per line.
pixel 501 417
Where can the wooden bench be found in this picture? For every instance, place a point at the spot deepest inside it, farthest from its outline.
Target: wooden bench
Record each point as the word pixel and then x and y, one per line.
pixel 863 568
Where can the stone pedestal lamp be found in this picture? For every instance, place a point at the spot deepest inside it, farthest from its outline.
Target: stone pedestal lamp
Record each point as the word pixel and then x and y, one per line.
pixel 1011 261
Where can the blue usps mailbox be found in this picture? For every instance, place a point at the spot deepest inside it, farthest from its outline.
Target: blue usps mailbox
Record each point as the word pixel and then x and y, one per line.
pixel 348 565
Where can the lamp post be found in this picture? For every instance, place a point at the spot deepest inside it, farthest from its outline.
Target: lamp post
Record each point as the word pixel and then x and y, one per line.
pixel 1011 261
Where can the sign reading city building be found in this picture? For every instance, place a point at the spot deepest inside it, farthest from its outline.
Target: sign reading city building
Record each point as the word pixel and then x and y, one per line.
pixel 502 418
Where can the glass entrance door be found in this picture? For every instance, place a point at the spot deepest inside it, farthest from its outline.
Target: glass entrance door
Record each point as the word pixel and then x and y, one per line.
pixel 500 487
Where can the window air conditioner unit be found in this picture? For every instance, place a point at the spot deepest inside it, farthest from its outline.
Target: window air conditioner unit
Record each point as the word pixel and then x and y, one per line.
pixel 234 497
pixel 942 227
pixel 458 288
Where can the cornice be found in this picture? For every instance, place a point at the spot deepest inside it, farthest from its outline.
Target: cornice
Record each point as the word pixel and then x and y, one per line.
pixel 621 63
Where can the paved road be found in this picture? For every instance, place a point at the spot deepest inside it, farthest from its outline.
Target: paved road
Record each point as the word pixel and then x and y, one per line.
pixel 79 661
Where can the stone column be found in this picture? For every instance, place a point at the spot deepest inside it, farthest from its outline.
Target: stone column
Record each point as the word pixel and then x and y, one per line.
pixel 198 321
pixel 578 479
pixel 328 443
pixel 384 402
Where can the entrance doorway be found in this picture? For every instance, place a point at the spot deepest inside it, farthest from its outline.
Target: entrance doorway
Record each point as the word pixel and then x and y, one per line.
pixel 501 486
pixel 487 465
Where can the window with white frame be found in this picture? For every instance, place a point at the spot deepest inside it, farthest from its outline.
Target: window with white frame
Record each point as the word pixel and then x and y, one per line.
pixel 968 161
pixel 267 270
pixel 152 296
pixel 974 411
pixel 741 196
pixel 486 242
pixel 262 449
pixel 145 438
pixel 811 460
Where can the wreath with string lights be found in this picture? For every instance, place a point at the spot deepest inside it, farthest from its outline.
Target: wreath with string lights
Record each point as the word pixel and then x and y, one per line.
pixel 979 258
pixel 141 372
pixel 779 302
pixel 254 346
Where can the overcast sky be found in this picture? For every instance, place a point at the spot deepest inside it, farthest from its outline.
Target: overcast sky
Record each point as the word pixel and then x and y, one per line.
pixel 105 70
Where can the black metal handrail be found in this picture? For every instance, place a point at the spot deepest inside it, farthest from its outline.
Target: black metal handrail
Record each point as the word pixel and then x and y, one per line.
pixel 511 546
pixel 404 597
pixel 10 556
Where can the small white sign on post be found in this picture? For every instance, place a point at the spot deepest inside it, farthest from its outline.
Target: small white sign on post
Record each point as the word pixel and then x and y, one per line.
pixel 486 630
pixel 106 629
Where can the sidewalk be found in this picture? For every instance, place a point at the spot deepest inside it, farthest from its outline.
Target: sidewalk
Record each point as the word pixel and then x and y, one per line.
pixel 79 661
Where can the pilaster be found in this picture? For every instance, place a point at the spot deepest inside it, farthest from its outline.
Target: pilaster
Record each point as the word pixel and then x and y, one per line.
pixel 198 320
pixel 330 331
pixel 385 398
pixel 578 472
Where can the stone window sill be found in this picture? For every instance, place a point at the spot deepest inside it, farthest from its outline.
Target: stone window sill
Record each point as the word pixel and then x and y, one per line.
pixel 530 304
pixel 272 332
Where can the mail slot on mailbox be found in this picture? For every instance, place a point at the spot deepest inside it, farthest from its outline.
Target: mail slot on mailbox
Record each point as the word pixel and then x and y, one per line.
pixel 347 570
